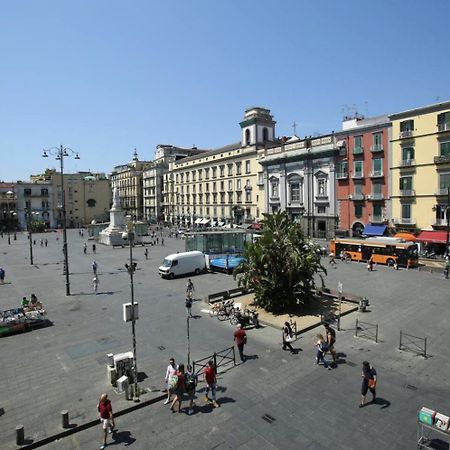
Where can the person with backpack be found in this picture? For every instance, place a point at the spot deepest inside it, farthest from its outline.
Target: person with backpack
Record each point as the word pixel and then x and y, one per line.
pixel 322 348
pixel 331 340
pixel 369 382
pixel 190 383
pixel 188 304
pixel 178 387
pixel 171 369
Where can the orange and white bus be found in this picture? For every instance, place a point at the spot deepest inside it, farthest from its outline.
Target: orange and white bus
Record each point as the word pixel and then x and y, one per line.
pixel 381 250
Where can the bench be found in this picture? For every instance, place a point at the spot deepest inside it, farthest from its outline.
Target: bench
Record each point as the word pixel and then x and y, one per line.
pixel 236 292
pixel 217 297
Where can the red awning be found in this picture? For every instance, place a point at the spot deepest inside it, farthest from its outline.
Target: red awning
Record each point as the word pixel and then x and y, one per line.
pixel 255 226
pixel 433 237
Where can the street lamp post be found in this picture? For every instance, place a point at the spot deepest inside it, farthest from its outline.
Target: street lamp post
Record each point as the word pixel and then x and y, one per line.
pixel 131 267
pixel 30 235
pixel 447 213
pixel 8 196
pixel 60 153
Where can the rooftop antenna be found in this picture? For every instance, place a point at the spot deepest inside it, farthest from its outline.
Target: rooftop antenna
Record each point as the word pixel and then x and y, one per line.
pixel 294 127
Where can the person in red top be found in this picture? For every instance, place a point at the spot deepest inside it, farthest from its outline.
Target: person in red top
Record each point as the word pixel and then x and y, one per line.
pixel 179 389
pixel 210 378
pixel 106 417
pixel 240 336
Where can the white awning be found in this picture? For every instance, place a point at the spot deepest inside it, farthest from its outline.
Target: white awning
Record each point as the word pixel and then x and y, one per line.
pixel 213 223
pixel 221 224
pixel 199 220
pixel 204 221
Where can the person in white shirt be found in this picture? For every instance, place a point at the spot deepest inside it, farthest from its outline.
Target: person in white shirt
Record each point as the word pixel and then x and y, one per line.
pixel 171 369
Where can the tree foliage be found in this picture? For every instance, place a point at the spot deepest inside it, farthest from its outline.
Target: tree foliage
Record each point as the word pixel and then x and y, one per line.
pixel 280 266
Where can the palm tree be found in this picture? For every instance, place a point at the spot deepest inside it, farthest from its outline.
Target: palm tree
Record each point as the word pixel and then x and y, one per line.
pixel 281 265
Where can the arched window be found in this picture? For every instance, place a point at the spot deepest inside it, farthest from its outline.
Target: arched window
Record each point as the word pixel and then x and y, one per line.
pixel 247 137
pixel 91 203
pixel 265 134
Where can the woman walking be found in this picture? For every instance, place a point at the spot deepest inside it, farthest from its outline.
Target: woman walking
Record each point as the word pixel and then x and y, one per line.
pixel 178 389
pixel 322 348
pixel 369 382
pixel 288 336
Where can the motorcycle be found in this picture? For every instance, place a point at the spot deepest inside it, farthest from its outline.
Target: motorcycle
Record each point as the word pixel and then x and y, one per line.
pixel 246 318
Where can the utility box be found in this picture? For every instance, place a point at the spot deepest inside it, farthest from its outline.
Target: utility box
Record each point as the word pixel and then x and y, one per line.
pixel 130 312
pixel 112 375
pixel 122 384
pixel 123 364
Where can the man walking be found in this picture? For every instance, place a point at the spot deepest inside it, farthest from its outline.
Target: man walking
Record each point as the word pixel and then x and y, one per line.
pixel 190 288
pixel 240 336
pixel 94 267
pixel 209 373
pixel 94 248
pixel 188 304
pixel 106 417
pixel 85 248
pixel 146 253
pixel 331 339
pixel 95 283
pixel 170 372
pixel 2 275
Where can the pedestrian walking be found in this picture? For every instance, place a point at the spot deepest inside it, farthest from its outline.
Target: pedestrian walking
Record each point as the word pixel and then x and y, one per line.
pixel 94 267
pixel 209 372
pixel 46 242
pixel 146 253
pixel 369 382
pixel 447 269
pixel 171 369
pixel 104 408
pixel 331 260
pixel 85 248
pixel 2 275
pixel 288 337
pixel 162 241
pixel 95 282
pixel 331 340
pixel 188 304
pixel 94 248
pixel 42 242
pixel 370 265
pixel 240 337
pixel 190 383
pixel 321 349
pixel 190 288
pixel 157 240
pixel 177 387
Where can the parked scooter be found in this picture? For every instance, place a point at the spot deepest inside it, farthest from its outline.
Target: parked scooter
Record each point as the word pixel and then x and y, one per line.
pixel 246 318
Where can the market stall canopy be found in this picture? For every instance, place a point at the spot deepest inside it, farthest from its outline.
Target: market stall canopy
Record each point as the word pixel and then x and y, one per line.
pixel 432 237
pixel 199 220
pixel 406 236
pixel 374 230
pixel 204 221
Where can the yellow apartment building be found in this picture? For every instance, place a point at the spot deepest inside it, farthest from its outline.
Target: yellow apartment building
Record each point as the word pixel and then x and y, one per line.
pixel 420 169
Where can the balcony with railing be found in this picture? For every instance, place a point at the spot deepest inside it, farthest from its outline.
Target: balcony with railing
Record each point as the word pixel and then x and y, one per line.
pixel 406 134
pixel 405 221
pixel 376 219
pixel 357 175
pixel 357 196
pixel 376 174
pixel 407 192
pixel 358 150
pixel 443 159
pixel 341 175
pixel 442 191
pixel 375 197
pixel 376 148
pixel 440 222
pixel 443 126
pixel 404 163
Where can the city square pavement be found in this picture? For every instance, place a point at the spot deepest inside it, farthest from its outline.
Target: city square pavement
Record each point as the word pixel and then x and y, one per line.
pixel 273 400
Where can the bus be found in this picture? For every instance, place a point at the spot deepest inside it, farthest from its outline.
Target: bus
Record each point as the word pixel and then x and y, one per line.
pixel 382 250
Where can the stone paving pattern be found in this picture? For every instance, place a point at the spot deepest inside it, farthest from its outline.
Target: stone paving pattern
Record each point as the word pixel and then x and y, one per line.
pixel 64 366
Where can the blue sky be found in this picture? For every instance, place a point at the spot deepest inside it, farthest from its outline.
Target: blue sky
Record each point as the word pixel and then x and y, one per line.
pixel 104 76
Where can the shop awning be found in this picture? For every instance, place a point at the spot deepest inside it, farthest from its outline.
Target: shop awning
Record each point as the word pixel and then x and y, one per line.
pixel 406 236
pixel 204 221
pixel 374 230
pixel 433 237
pixel 221 224
pixel 213 223
pixel 255 226
pixel 199 220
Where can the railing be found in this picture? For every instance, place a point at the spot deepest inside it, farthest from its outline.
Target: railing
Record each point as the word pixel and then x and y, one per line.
pixel 375 197
pixel 444 159
pixel 443 191
pixel 406 134
pixel 440 222
pixel 413 344
pixel 407 192
pixel 358 150
pixel 444 126
pixel 376 148
pixel 220 359
pixel 358 175
pixel 376 219
pixel 405 221
pixel 376 174
pixel 366 330
pixel 356 196
pixel 342 176
pixel 407 162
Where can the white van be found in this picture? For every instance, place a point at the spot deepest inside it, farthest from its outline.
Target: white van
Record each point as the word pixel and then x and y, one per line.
pixel 182 264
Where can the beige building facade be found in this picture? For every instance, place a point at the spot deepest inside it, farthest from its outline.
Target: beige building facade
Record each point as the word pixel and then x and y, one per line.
pixel 220 187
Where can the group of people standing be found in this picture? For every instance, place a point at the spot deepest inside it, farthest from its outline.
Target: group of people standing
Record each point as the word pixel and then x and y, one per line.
pixel 182 381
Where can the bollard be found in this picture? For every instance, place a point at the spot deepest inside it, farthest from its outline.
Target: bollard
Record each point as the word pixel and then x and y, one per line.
pixel 65 418
pixel 20 435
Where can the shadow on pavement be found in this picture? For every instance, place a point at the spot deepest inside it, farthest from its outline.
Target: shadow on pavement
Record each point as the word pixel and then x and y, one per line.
pixel 382 402
pixel 122 437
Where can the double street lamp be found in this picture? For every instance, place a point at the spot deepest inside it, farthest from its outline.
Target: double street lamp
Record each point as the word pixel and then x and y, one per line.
pixel 9 195
pixel 60 153
pixel 445 209
pixel 29 216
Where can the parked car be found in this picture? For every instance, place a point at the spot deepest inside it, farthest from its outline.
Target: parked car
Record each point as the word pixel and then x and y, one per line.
pixel 182 264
